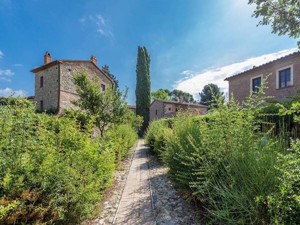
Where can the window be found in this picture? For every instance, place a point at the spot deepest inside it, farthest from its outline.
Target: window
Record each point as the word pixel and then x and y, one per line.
pixel 102 87
pixel 256 83
pixel 284 78
pixel 42 105
pixel 156 112
pixel 41 81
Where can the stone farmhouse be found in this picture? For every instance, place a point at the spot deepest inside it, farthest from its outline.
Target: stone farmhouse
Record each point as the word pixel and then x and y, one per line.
pixel 283 79
pixel 54 87
pixel 164 109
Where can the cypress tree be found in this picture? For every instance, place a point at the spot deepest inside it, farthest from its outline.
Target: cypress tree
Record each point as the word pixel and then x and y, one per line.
pixel 142 91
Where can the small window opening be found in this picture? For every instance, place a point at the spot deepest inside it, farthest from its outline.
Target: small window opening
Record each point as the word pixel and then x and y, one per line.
pixel 42 105
pixel 102 87
pixel 41 81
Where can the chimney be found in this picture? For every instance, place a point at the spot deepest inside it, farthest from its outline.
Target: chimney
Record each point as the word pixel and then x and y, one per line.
pixel 47 58
pixel 94 59
pixel 180 99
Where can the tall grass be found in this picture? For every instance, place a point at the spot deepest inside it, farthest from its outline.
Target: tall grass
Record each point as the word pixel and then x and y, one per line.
pixel 230 165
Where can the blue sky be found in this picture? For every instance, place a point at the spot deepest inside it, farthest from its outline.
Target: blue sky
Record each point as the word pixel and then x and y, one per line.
pixel 185 39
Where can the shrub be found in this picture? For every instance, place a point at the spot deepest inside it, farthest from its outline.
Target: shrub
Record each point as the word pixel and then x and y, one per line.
pixel 51 170
pixel 284 202
pixel 121 138
pixel 225 162
pixel 157 133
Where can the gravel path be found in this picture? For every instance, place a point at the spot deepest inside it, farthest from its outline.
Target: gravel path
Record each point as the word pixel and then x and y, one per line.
pixel 143 194
pixel 170 208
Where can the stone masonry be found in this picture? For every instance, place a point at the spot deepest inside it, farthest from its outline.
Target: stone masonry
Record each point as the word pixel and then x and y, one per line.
pixel 164 109
pixel 54 87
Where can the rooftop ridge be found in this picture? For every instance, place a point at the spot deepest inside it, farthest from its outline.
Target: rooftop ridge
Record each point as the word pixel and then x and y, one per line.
pixel 258 67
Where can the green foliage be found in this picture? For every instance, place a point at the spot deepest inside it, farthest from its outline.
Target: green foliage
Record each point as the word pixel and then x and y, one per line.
pixel 283 15
pixel 284 203
pixel 210 95
pixel 187 97
pixel 106 70
pixel 157 133
pixel 121 139
pixel 106 108
pixel 237 172
pixel 165 94
pixel 4 101
pixel 160 94
pixel 134 121
pixel 51 170
pixel 143 86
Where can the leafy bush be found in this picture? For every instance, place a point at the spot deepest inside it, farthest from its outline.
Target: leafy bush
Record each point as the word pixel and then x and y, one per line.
pixel 284 203
pixel 237 172
pixel 157 133
pixel 121 139
pixel 51 170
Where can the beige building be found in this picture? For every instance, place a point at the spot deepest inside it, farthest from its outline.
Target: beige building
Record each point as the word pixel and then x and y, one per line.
pixel 164 109
pixel 283 79
pixel 54 87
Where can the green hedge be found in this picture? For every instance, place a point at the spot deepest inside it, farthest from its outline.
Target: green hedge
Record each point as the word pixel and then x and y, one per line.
pixel 51 171
pixel 156 135
pixel 121 139
pixel 237 173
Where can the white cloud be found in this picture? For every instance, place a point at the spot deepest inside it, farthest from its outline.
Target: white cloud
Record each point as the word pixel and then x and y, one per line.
pixel 100 24
pixel 10 92
pixel 193 82
pixel 6 75
pixel 1 54
pixel 100 20
pixel 17 64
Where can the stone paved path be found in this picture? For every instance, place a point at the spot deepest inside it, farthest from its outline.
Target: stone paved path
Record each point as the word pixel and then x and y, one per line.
pixel 135 206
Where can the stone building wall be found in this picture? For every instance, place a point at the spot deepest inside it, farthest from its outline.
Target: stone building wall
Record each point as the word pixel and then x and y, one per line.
pixel 156 110
pixel 68 89
pixel 164 109
pixel 50 91
pixel 240 85
pixel 169 108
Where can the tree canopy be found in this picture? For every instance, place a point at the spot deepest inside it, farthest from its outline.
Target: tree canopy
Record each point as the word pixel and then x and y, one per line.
pixel 106 70
pixel 283 15
pixel 187 97
pixel 143 83
pixel 165 94
pixel 104 107
pixel 160 94
pixel 210 95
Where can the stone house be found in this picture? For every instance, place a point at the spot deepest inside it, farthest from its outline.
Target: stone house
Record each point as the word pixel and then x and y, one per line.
pixel 132 108
pixel 54 87
pixel 283 79
pixel 164 109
